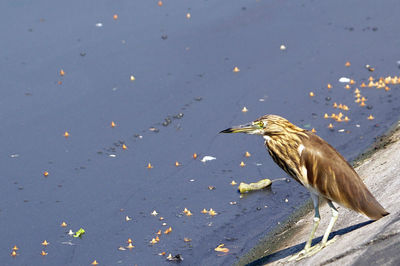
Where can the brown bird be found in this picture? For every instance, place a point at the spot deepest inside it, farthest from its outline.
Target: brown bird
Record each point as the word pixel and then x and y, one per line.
pixel 315 164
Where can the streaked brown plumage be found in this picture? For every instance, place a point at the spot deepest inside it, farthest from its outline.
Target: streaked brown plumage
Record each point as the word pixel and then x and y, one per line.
pixel 316 165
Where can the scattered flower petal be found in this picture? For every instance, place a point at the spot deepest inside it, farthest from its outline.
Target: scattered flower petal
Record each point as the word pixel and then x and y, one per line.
pixel 220 248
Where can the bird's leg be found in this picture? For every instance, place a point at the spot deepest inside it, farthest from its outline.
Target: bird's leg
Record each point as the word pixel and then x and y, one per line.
pixel 332 222
pixel 324 241
pixel 307 248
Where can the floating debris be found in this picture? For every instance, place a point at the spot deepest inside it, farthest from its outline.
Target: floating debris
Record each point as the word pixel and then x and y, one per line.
pixel 15 248
pixel 124 147
pixel 46 174
pixel 311 94
pixel 62 73
pixel 177 164
pixel 370 117
pixel 347 64
pixel 208 158
pixel 369 68
pixel 132 78
pixel 194 155
pixel 127 218
pixel 13 253
pixel 95 262
pixel 43 253
pixel 329 86
pixel 115 16
pixel 188 16
pixel 344 80
pixel 66 134
pixel 149 166
pixel 160 3
pixel 221 248
pixel 45 243
pixel 282 47
pixel 242 164
pixel 244 188
pixel 211 187
pixel 130 246
pixel 154 213
pixel 112 124
pixel 233 183
pixel 177 257
pixel 186 239
pixel 236 69
pixel 247 154
pixel 313 130
pixel 330 126
pixel 244 110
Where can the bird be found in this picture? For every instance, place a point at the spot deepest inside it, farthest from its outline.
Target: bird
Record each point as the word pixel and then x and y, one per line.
pixel 319 167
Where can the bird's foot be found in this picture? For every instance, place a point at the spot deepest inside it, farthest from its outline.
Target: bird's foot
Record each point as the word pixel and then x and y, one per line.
pixel 305 253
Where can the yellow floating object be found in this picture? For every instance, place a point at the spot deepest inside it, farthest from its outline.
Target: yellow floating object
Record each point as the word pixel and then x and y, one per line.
pixel 244 188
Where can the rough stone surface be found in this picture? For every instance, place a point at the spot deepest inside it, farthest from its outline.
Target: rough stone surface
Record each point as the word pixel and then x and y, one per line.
pixel 359 241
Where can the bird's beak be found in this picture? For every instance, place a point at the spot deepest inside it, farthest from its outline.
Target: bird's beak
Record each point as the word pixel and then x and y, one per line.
pixel 248 129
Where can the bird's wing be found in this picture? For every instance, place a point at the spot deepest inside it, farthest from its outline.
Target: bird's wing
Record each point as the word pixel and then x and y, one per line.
pixel 335 179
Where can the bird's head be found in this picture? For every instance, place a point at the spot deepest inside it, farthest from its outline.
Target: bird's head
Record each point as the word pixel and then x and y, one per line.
pixel 266 125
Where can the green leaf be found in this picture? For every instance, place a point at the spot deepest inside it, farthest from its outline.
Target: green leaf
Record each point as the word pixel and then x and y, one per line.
pixel 79 233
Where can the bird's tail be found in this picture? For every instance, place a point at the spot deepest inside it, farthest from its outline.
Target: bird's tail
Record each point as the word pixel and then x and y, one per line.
pixel 370 207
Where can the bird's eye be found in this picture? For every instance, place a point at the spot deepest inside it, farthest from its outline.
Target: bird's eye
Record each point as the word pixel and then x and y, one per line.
pixel 261 124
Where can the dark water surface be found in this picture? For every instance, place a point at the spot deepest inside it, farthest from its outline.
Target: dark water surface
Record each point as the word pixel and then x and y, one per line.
pixel 181 67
